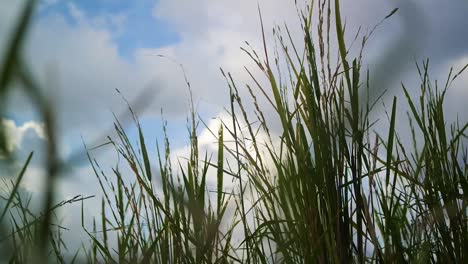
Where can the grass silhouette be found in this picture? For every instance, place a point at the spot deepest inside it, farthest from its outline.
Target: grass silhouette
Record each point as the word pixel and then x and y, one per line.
pixel 325 189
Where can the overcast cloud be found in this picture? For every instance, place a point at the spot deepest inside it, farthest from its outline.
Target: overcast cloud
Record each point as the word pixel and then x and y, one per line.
pixel 76 56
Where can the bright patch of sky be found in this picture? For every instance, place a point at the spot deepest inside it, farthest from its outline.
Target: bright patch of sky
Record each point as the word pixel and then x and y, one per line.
pixel 131 23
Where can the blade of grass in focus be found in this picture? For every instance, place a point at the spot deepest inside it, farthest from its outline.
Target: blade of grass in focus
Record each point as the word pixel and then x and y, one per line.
pixel 319 187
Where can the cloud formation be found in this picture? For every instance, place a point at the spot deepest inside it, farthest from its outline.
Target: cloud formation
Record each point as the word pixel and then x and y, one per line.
pixel 20 137
pixel 76 57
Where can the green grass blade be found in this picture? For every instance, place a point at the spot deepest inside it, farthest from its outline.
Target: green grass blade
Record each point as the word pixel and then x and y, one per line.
pixel 15 188
pixel 390 140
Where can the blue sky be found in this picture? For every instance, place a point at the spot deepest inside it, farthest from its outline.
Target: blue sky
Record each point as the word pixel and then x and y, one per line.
pixel 136 26
pixel 90 48
pixel 83 50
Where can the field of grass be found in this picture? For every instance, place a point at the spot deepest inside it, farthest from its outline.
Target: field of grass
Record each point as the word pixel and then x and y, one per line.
pixel 325 188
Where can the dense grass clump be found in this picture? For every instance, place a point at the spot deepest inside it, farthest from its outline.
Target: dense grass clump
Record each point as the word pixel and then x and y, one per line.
pixel 324 187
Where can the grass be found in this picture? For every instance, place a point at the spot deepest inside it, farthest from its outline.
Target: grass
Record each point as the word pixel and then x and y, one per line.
pixel 324 188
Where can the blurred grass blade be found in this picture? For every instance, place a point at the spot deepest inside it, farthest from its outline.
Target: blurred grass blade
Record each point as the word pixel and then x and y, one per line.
pixel 144 151
pixel 15 45
pixel 391 13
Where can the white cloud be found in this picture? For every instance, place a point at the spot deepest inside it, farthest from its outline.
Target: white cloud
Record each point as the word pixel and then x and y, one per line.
pixel 207 139
pixel 22 139
pixel 16 133
pixel 82 63
pixel 80 67
pixel 212 32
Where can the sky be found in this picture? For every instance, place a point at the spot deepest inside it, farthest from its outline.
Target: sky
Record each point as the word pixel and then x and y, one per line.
pixel 82 51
